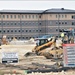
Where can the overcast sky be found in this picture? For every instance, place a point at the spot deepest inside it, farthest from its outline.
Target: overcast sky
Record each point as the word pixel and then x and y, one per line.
pixel 36 5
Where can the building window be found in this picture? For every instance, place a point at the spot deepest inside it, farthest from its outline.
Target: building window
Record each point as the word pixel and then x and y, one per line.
pixel 18 30
pixel 11 30
pixel 18 16
pixel 62 16
pixel 22 16
pixel 72 17
pixel 4 23
pixel 65 22
pixel 56 22
pixel 40 23
pixel 62 22
pixel 36 30
pixel 59 16
pixel 25 16
pixel 26 30
pixel 7 30
pixel 29 30
pixel 14 16
pixel 7 23
pixel 36 16
pixel 56 16
pixel 19 37
pixel 65 16
pixel 32 16
pixel 39 16
pixel 59 22
pixel 0 23
pixel 40 30
pixel 4 31
pixel 11 23
pixel 22 23
pixel 26 37
pixel 10 16
pixel 0 31
pixel 56 29
pixel 7 16
pixel 50 15
pixel 73 23
pixel 29 16
pixel 22 30
pixel 3 16
pixel 15 30
pixel 14 23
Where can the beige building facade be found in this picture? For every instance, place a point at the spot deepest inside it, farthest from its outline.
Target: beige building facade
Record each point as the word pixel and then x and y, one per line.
pixel 26 24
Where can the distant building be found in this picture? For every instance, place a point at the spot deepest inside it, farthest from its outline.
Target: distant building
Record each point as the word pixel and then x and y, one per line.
pixel 25 24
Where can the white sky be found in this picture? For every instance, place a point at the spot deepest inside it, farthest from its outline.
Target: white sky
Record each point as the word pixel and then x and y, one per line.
pixel 36 5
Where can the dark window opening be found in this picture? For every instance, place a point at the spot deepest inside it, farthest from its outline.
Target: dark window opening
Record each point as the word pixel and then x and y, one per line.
pixel 4 31
pixel 40 30
pixel 72 17
pixel 36 30
pixel 23 37
pixel 7 30
pixel 14 23
pixel 0 31
pixel 73 23
pixel 39 16
pixel 26 30
pixel 19 30
pixel 26 37
pixel 39 23
pixel 56 29
pixel 22 30
pixel 62 22
pixel 19 37
pixel 29 30
pixel 11 30
pixel 15 30
pixel 59 23
pixel 65 22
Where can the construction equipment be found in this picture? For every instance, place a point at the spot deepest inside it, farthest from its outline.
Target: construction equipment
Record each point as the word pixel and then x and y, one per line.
pixel 68 36
pixel 48 48
pixel 52 47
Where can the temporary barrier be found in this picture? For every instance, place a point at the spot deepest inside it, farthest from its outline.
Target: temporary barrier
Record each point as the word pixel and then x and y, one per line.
pixel 69 55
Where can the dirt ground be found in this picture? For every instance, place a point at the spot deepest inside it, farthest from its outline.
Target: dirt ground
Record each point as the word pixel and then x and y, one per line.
pixel 26 64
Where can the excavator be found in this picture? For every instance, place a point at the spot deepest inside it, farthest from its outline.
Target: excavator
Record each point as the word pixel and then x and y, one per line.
pixel 48 47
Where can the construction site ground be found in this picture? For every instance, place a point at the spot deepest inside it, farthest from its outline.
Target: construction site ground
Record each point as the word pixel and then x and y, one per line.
pixel 40 64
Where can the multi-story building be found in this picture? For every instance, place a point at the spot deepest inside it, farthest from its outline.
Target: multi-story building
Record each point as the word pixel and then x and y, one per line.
pixel 25 24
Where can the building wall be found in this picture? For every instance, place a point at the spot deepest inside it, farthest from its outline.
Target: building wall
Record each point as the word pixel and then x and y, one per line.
pixel 25 26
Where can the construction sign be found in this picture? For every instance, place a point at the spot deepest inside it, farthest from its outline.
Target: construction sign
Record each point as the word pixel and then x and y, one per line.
pixel 69 55
pixel 9 57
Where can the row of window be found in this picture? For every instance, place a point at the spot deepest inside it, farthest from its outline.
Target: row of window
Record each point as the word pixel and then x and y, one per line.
pixel 4 31
pixel 18 37
pixel 33 16
pixel 32 23
pixel 61 22
pixel 61 16
pixel 22 23
pixel 19 16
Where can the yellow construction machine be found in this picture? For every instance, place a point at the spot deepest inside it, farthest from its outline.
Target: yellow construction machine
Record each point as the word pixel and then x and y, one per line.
pixel 48 48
